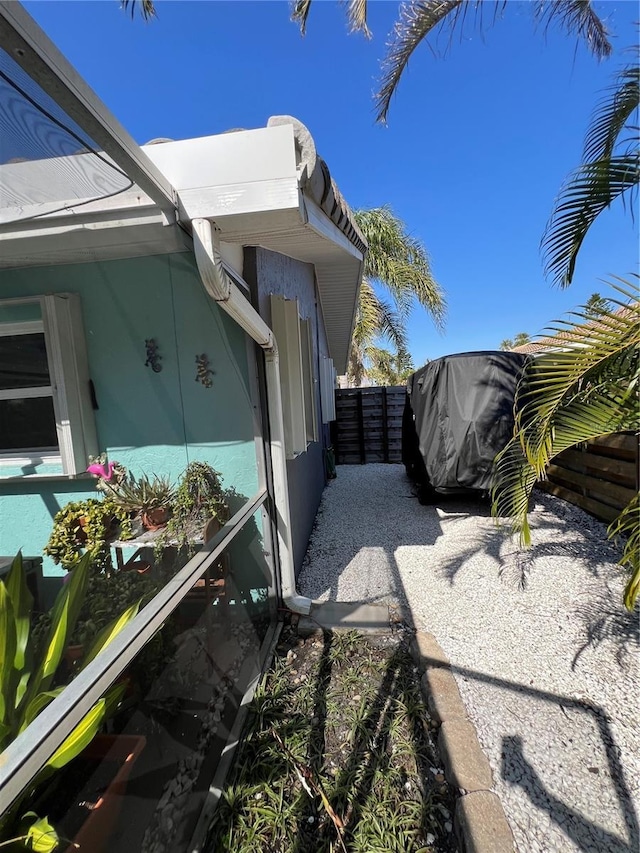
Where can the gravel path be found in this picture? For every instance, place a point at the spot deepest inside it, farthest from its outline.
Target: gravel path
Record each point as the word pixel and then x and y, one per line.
pixel 549 673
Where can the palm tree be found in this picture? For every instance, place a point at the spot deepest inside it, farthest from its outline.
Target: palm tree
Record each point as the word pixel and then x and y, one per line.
pixel 596 304
pixel 591 389
pixel 588 389
pixel 398 263
pixel 520 339
pixel 389 368
pixel 419 19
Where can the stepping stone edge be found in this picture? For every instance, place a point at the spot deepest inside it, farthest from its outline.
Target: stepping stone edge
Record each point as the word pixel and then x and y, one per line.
pixel 480 820
pixel 481 824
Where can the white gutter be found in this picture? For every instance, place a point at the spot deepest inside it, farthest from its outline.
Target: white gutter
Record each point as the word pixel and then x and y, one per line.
pixel 220 287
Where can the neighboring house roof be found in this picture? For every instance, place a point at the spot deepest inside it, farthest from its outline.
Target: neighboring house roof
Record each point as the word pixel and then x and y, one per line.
pixel 266 187
pixel 562 339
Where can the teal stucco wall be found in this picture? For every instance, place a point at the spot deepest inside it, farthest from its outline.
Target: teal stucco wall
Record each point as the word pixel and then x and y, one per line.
pixel 151 422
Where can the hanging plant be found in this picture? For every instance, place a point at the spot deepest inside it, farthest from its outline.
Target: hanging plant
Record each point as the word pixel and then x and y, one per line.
pixel 87 527
pixel 198 498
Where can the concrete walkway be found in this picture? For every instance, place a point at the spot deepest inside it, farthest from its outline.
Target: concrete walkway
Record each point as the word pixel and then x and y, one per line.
pixel 548 672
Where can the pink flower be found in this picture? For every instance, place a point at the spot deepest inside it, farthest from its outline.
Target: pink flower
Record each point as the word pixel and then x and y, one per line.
pixel 104 471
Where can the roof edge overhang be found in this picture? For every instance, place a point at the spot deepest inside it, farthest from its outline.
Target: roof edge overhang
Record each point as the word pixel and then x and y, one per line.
pixel 267 199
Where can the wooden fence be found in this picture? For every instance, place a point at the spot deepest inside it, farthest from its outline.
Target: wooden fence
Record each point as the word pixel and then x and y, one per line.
pixel 368 425
pixel 601 478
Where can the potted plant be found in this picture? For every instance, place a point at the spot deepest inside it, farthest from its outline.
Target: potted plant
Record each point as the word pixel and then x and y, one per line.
pixel 27 680
pixel 197 500
pixel 150 499
pixel 87 526
pixel 105 595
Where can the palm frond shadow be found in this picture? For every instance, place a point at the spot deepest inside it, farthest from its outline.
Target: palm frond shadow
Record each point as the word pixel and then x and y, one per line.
pixel 514 563
pixel 603 623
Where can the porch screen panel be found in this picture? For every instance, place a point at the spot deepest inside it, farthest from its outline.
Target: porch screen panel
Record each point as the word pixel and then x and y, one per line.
pixel 45 157
pixel 184 665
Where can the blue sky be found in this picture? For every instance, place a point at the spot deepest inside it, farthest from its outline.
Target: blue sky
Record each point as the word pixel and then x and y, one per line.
pixel 476 147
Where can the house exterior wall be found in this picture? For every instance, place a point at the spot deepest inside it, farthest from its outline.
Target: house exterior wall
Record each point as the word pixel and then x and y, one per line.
pixel 271 273
pixel 150 422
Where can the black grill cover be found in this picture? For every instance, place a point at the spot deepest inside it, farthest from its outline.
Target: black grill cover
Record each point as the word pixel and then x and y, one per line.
pixel 459 416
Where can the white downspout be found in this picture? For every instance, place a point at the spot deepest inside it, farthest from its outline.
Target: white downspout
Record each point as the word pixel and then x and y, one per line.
pixel 220 287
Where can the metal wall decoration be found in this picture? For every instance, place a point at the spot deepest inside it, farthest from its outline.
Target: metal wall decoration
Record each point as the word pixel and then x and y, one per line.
pixel 153 356
pixel 204 374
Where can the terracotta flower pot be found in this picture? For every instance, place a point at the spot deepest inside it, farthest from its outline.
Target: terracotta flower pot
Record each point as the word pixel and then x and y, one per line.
pixel 122 750
pixel 154 519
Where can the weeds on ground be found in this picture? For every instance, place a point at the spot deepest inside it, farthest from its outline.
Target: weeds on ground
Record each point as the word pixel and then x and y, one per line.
pixel 338 755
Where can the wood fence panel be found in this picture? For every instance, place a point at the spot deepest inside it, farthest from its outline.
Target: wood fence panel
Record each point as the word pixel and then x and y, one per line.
pixel 368 425
pixel 601 477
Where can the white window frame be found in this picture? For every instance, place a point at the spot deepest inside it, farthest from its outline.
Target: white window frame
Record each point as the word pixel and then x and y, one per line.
pixel 69 375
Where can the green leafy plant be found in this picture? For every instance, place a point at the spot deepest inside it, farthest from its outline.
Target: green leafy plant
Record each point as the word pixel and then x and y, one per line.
pixel 142 495
pixel 27 674
pixel 198 498
pixel 105 595
pixel 87 527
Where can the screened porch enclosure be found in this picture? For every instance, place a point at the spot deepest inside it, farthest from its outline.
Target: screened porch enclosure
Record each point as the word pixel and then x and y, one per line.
pixel 183 667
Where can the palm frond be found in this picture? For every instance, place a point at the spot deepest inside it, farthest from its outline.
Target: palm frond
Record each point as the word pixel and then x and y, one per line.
pixel 417 19
pixel 576 17
pixel 147 8
pixel 377 318
pixel 612 115
pixel 626 524
pixel 300 12
pixel 400 263
pixel 589 190
pixel 569 397
pixel 513 480
pixel 599 354
pixel 583 418
pixel 357 16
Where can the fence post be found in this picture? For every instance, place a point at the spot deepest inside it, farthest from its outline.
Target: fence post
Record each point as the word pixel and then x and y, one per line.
pixel 363 454
pixel 385 426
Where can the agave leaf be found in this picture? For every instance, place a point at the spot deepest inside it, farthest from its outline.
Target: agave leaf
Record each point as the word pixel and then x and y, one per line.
pixel 113 697
pixel 63 618
pixel 79 738
pixel 109 632
pixel 22 602
pixel 37 705
pixel 7 656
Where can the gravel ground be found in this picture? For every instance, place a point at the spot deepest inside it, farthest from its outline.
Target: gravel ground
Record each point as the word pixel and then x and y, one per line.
pixel 548 671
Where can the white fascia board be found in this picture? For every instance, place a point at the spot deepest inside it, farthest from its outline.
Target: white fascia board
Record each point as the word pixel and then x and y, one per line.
pixel 319 222
pixel 238 157
pixel 218 202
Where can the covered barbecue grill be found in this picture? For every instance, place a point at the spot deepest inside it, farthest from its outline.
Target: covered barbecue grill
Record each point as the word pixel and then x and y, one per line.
pixel 458 417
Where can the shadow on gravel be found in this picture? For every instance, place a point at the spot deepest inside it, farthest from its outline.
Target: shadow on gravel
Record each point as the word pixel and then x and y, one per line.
pixel 517 770
pixel 588 836
pixel 617 625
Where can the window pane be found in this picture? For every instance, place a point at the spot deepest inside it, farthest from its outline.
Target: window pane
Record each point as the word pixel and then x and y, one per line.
pixel 180 697
pixel 27 424
pixel 23 362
